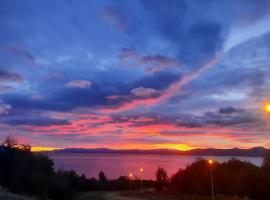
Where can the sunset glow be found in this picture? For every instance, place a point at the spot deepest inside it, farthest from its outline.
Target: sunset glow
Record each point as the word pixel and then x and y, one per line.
pixel 37 149
pixel 181 147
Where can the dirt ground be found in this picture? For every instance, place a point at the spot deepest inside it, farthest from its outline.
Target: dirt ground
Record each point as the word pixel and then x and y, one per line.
pixel 144 196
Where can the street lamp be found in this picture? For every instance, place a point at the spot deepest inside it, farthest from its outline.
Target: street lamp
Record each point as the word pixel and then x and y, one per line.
pixel 211 162
pixel 130 180
pixel 141 171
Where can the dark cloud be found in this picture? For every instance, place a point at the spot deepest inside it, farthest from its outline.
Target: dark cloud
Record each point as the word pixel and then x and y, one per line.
pixel 24 116
pixel 37 121
pixel 159 80
pixel 151 63
pixel 237 118
pixel 9 76
pixel 223 117
pixel 229 110
pixel 201 43
pixel 196 42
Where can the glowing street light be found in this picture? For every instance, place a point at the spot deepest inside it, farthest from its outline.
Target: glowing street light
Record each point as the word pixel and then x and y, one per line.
pixel 141 171
pixel 130 181
pixel 211 162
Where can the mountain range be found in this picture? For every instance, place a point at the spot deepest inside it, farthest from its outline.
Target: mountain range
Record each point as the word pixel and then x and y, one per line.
pixel 252 152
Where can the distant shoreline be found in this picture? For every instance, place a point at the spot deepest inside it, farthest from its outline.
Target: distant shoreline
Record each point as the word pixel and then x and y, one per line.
pixel 253 152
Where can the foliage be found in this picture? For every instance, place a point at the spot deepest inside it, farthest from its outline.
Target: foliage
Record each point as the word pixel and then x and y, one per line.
pixel 161 179
pixel 233 177
pixel 22 171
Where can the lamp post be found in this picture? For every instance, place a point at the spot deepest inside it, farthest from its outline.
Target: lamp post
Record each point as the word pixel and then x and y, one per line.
pixel 141 171
pixel 130 181
pixel 210 162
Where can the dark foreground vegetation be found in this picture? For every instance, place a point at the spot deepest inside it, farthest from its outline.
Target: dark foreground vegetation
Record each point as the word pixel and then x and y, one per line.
pixel 25 172
pixel 233 177
pixel 22 171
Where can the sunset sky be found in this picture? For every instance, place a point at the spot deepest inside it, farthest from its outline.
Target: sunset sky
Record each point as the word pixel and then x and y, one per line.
pixel 135 74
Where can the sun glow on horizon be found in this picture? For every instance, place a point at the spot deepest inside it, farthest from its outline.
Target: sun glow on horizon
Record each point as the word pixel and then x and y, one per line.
pixel 38 149
pixel 180 147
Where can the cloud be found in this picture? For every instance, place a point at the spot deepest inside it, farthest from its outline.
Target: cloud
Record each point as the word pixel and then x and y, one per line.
pixel 224 117
pixel 158 63
pixel 171 82
pixel 229 110
pixel 167 93
pixel 151 63
pixel 78 84
pixel 142 92
pixel 115 17
pixel 9 76
pixel 127 53
pixel 5 88
pixel 194 38
pixel 4 108
pixel 239 76
pixel 36 121
pixel 201 43
pixel 20 51
pixel 253 11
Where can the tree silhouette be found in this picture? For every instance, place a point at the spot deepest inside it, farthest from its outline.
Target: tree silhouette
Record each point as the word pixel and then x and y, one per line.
pixel 10 142
pixel 162 179
pixel 103 180
pixel 102 177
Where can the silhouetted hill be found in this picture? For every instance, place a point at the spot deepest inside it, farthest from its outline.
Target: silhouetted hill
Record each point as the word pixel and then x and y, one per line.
pixel 252 152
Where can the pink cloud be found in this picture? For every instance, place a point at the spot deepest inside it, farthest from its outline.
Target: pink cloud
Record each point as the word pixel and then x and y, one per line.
pixel 144 92
pixel 78 84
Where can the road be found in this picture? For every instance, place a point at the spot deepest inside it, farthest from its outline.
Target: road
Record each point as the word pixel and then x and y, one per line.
pixel 105 196
pixel 8 196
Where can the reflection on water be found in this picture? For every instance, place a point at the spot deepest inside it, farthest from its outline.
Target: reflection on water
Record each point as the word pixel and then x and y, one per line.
pixel 115 165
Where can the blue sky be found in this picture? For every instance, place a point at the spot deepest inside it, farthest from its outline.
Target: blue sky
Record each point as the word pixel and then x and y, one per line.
pixel 135 74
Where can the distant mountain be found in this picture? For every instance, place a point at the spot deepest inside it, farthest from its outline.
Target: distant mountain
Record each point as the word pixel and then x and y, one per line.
pixel 252 152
